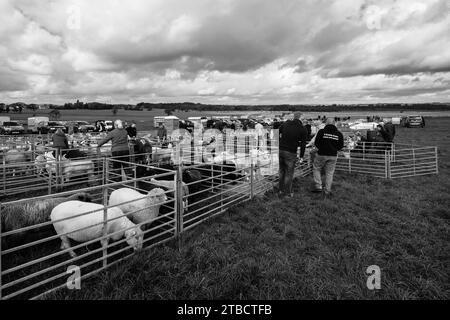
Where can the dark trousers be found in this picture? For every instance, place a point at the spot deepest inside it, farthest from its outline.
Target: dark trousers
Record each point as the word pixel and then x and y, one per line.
pixel 287 165
pixel 118 165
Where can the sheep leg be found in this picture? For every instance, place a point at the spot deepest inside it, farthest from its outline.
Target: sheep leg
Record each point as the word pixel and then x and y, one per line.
pixel 65 244
pixel 91 176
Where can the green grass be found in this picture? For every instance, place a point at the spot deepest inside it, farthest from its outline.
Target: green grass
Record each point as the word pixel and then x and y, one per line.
pixel 307 247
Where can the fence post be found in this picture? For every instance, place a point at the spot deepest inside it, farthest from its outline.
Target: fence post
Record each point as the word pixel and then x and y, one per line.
pixel 364 151
pixel 59 177
pixel 436 157
pixel 385 165
pixel 179 208
pixel 50 181
pixel 105 216
pixel 221 191
pixel 105 224
pixel 135 175
pixel 389 164
pixel 414 160
pixel 393 152
pixel 350 162
pixel 251 180
pixel 212 177
pixel 1 240
pixel 4 173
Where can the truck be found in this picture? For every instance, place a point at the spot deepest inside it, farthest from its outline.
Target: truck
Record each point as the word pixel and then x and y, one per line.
pixel 38 124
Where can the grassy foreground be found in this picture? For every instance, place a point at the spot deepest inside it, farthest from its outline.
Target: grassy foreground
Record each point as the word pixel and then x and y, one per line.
pixel 307 247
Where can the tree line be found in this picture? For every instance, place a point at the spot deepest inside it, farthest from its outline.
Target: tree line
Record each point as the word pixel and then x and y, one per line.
pixel 189 106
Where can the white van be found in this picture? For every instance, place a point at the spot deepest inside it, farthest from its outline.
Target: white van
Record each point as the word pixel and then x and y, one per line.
pixel 4 119
pixel 38 124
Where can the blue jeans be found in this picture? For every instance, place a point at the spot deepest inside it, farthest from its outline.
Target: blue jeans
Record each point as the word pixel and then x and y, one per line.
pixel 328 163
pixel 287 165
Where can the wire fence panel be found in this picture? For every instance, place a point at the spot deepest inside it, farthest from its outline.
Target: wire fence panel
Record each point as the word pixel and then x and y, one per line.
pixel 414 162
pixel 32 260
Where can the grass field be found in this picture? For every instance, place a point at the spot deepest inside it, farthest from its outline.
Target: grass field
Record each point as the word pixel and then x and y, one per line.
pixel 307 247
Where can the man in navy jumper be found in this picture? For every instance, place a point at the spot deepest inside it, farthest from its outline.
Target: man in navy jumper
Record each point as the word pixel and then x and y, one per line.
pixel 329 141
pixel 292 135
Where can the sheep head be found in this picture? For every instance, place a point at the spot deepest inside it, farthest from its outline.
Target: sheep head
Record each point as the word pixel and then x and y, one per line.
pixel 157 196
pixel 135 238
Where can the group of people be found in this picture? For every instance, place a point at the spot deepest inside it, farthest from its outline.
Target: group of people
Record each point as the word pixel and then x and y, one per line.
pixel 327 143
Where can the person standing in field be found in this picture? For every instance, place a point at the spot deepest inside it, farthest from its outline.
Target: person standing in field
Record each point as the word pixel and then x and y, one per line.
pixel 132 131
pixel 119 149
pixel 60 143
pixel 292 136
pixel 329 141
pixel 162 133
pixel 388 131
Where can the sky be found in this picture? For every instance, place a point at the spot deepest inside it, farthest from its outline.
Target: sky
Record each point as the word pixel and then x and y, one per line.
pixel 225 51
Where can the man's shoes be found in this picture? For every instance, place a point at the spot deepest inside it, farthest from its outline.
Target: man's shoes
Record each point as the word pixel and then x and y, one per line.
pixel 316 190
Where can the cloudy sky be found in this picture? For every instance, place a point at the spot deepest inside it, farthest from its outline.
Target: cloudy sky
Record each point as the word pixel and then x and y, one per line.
pixel 225 51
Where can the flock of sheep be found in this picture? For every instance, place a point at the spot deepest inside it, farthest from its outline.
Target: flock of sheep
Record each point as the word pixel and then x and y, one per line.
pixel 76 217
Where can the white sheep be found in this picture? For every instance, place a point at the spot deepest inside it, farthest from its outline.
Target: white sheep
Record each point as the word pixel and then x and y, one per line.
pixel 40 163
pixel 16 157
pixel 91 224
pixel 18 216
pixel 170 185
pixel 141 208
pixel 71 168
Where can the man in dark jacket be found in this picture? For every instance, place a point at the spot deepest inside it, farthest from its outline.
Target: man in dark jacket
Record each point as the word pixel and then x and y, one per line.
pixel 119 149
pixel 388 131
pixel 60 143
pixel 328 142
pixel 292 135
pixel 132 131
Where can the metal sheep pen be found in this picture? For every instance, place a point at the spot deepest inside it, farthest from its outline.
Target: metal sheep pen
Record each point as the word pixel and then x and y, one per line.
pixel 37 266
pixel 389 160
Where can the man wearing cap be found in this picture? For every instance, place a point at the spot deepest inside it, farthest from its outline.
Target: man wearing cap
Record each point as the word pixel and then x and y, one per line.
pixel 119 149
pixel 292 135
pixel 329 141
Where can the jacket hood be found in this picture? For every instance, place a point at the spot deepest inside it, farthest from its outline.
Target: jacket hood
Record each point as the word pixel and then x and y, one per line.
pixel 59 132
pixel 331 127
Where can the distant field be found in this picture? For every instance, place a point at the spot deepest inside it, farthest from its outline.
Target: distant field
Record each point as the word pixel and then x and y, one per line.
pixel 144 119
pixel 307 247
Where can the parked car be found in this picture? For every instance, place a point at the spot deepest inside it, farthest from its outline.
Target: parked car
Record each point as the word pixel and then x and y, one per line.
pixel 414 122
pixel 12 127
pixel 84 126
pixel 101 125
pixel 55 125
